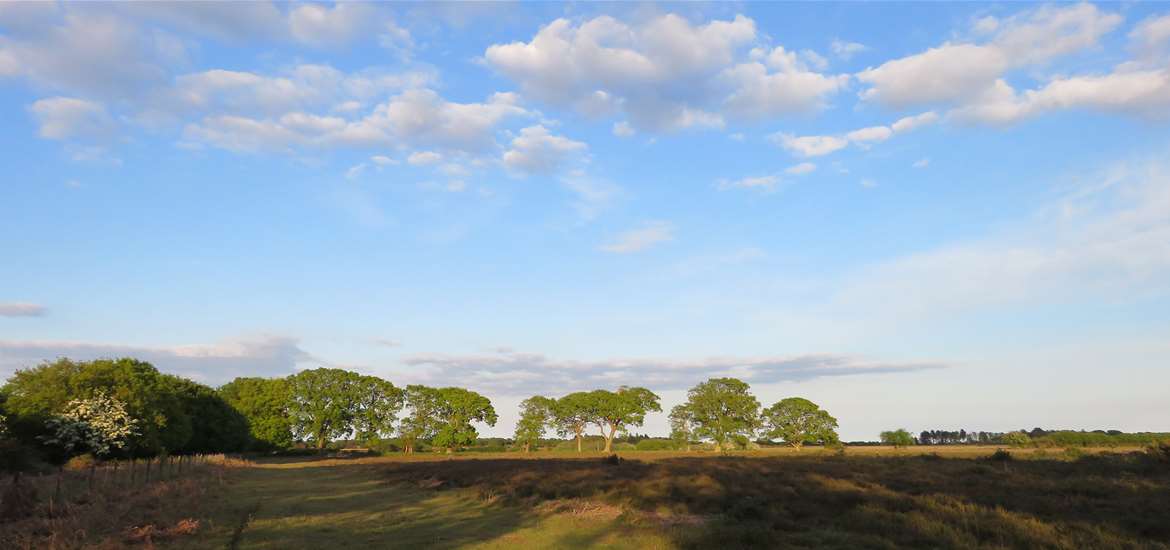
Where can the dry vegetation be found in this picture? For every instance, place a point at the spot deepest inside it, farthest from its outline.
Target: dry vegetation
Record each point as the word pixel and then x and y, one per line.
pixel 923 501
pixel 108 507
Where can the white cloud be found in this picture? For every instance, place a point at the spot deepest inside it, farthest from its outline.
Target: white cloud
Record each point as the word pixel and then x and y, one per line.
pixel 623 129
pixel 90 53
pixel 765 183
pixel 664 74
pixel 651 233
pixel 341 24
pixel 813 146
pixel 868 183
pixel 356 171
pixel 592 195
pixel 871 134
pixel 1136 92
pixel 1108 240
pixel 1151 36
pixel 383 160
pixel 810 146
pixel 846 50
pixel 21 309
pixel 922 163
pixel 537 151
pixel 508 372
pixel 423 158
pixel 799 169
pixel 211 364
pixel 69 118
pixel 957 72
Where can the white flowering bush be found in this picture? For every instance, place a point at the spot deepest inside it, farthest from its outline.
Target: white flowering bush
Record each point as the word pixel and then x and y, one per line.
pixel 98 425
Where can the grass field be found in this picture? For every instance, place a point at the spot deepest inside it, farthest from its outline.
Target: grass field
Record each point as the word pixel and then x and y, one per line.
pixel 934 497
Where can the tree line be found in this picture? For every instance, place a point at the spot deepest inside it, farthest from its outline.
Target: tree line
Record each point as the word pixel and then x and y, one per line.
pixel 721 411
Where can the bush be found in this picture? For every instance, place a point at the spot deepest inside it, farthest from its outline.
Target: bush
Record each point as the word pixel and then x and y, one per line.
pixel 1160 451
pixel 1000 455
pixel 655 445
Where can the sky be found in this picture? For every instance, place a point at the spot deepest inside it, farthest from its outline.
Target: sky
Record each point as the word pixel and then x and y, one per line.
pixel 926 215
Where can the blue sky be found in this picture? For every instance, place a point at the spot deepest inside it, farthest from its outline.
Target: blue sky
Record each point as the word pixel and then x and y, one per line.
pixel 917 215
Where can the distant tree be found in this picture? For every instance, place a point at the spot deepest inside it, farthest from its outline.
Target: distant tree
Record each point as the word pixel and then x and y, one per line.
pixel 327 404
pixel 422 422
pixel 216 427
pixel 264 403
pixel 618 410
pixel 457 409
pixel 535 415
pixel 572 414
pixel 681 431
pixel 797 421
pixel 720 409
pixel 1016 439
pixel 898 438
pixel 378 403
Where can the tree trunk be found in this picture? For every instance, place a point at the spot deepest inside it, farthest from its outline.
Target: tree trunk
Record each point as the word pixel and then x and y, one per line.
pixel 527 447
pixel 578 441
pixel 609 438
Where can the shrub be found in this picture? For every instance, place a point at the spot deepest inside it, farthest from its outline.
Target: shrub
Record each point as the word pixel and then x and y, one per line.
pixel 1159 451
pixel 655 445
pixel 1000 455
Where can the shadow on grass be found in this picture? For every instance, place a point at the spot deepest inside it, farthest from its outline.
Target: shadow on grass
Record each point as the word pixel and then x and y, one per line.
pixel 924 502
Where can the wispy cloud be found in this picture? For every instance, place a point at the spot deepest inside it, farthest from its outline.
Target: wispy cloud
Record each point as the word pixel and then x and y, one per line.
pixel 509 372
pixel 650 234
pixel 21 309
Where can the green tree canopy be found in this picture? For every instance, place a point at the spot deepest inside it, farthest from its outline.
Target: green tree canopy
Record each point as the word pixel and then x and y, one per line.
pixel 264 403
pixel 422 422
pixel 720 409
pixel 457 409
pixel 1017 439
pixel 681 431
pixel 572 414
pixel 614 411
pixel 535 415
pixel 897 438
pixel 797 421
pixel 326 404
pixel 155 400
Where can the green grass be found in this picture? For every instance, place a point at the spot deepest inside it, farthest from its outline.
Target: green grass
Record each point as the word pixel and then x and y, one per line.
pixel 350 504
pixel 874 498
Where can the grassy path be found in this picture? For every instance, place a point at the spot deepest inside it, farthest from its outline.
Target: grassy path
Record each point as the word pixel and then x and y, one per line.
pixel 314 505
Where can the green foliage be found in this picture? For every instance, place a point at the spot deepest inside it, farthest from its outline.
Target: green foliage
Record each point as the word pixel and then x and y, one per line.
pixel 656 445
pixel 535 415
pixel 457 409
pixel 898 438
pixel 1068 438
pixel 421 423
pixel 263 402
pixel 614 411
pixel 326 404
pixel 797 421
pixel 720 409
pixel 169 410
pixel 572 414
pixel 1016 439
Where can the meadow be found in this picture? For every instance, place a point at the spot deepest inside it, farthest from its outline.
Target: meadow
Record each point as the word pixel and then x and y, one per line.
pixel 865 497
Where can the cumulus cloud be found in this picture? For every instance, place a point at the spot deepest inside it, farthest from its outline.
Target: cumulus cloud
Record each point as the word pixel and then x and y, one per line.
pixel 211 364
pixel 664 74
pixel 538 151
pixel 956 72
pixel 331 26
pixel 508 372
pixel 649 234
pixel 68 118
pixel 21 309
